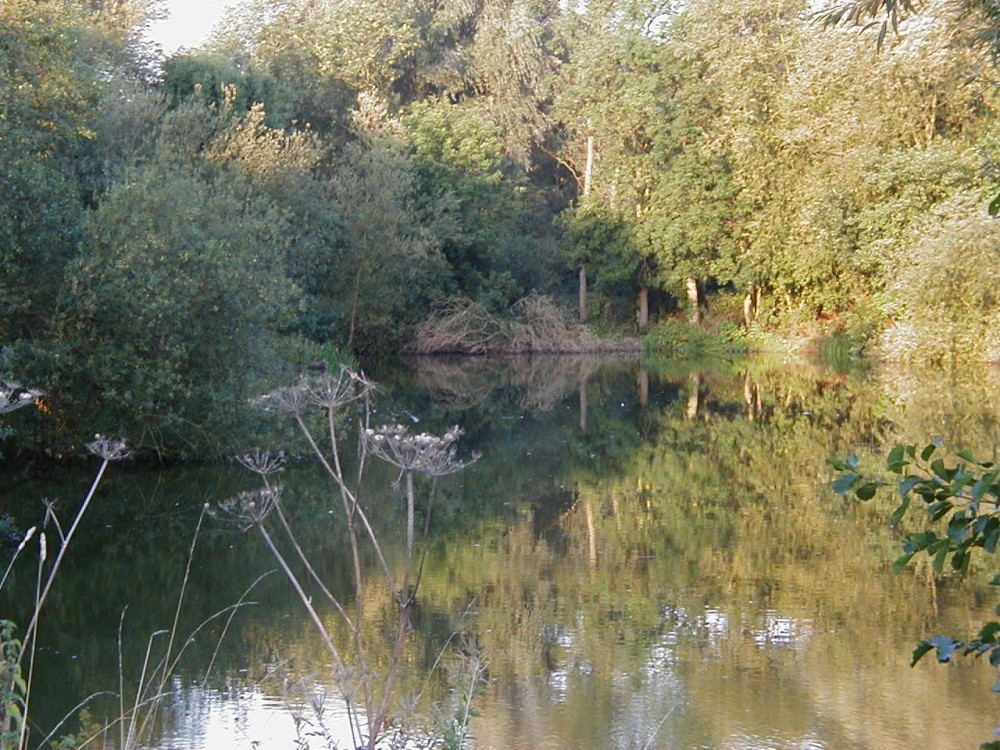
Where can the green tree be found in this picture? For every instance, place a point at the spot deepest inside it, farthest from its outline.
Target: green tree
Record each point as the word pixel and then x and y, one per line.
pixel 48 91
pixel 392 267
pixel 172 313
pixel 486 208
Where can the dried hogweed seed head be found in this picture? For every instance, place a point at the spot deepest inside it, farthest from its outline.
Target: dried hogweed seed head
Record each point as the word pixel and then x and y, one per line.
pixel 252 507
pixel 423 452
pixel 334 391
pixel 291 399
pixel 13 396
pixel 262 462
pixel 109 449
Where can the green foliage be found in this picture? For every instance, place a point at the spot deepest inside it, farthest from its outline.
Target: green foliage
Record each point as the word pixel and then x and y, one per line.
pixel 173 311
pixel 485 215
pixel 48 91
pixel 391 269
pixel 960 495
pixel 677 339
pixel 942 302
pixel 603 240
pixel 212 79
pixel 13 689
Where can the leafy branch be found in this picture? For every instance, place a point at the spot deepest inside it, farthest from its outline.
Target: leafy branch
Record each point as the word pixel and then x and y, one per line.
pixel 960 493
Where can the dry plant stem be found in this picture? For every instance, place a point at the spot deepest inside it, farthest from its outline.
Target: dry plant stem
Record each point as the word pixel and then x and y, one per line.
pixel 166 663
pixel 351 508
pixel 70 714
pixel 324 634
pixel 411 516
pixel 130 737
pixel 20 548
pixel 375 727
pixel 476 671
pixel 313 614
pixel 225 629
pixel 33 623
pixel 31 664
pixel 129 718
pixel 349 500
pixel 309 568
pixel 121 681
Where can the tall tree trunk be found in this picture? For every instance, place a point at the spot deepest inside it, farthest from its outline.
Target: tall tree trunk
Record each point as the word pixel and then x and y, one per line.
pixel 588 175
pixel 643 382
pixel 694 299
pixel 751 394
pixel 643 305
pixel 751 304
pixel 694 396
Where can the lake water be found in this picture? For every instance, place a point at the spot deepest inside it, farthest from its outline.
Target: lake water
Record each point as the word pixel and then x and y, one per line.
pixel 645 557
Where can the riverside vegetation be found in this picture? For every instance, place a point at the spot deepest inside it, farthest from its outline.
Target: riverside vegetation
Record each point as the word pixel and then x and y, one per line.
pixel 177 234
pixel 367 689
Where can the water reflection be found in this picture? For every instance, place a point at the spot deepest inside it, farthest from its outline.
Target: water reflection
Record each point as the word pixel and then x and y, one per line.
pixel 649 559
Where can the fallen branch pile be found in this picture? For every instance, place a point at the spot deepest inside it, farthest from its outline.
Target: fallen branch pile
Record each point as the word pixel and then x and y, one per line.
pixel 534 325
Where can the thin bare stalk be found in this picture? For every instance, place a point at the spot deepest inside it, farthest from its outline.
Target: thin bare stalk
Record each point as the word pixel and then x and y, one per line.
pixel 320 627
pixel 130 737
pixel 20 547
pixel 353 503
pixel 402 627
pixel 656 730
pixel 121 681
pixel 476 668
pixel 39 595
pixel 225 629
pixel 165 673
pixel 33 623
pixel 411 516
pixel 72 712
pixel 312 571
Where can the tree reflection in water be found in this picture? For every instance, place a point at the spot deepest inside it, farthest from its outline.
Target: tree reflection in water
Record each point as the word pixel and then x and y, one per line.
pixel 641 574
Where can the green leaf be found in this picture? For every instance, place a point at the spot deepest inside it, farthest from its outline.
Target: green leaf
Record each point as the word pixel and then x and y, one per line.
pixel 922 649
pixel 940 555
pixel 897 459
pixel 939 509
pixel 958 528
pixel 960 561
pixel 843 484
pixel 991 537
pixel 994 207
pixel 901 562
pixel 908 484
pixel 867 491
pixel 967 455
pixel 840 464
pixel 928 451
pixel 989 632
pixel 945 647
pixel 943 471
pixel 897 515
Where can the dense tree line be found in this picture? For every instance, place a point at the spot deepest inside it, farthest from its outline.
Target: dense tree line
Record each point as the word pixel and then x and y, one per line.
pixel 175 233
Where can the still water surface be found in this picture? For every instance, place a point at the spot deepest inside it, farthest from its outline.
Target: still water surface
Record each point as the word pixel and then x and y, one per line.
pixel 648 558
